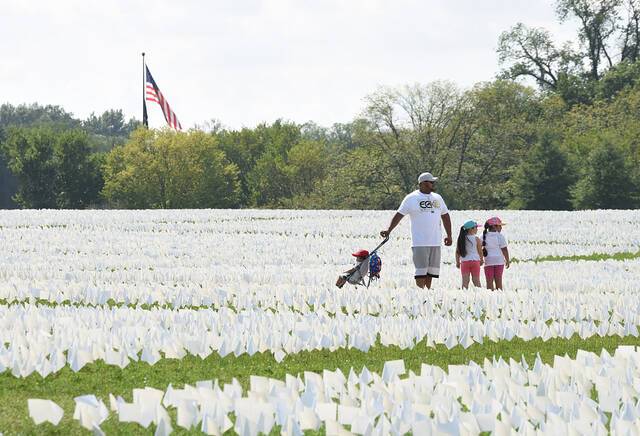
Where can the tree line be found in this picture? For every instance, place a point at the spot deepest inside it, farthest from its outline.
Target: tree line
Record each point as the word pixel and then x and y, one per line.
pixel 570 140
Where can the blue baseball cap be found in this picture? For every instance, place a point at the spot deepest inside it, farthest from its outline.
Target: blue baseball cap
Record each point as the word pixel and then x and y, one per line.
pixel 469 225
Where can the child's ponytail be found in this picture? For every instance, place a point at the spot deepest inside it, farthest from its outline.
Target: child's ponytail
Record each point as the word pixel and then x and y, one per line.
pixel 462 242
pixel 484 239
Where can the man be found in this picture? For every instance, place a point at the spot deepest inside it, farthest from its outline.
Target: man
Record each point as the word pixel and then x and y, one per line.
pixel 426 209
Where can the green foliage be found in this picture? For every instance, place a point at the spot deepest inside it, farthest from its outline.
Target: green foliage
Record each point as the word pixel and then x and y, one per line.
pixel 362 181
pixel 598 23
pixel 607 36
pixel 26 116
pixel 504 124
pixel 110 123
pixel 102 133
pixel 8 184
pixel 109 129
pixel 165 169
pixel 36 115
pixel 614 122
pixel 419 128
pixel 258 154
pixel 604 182
pixel 624 75
pixel 575 89
pixel 530 52
pixel 30 158
pixel 54 169
pixel 78 180
pixel 543 179
pixel 288 181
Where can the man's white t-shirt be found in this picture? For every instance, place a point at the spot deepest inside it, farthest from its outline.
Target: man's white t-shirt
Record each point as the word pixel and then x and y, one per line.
pixel 494 242
pixel 425 211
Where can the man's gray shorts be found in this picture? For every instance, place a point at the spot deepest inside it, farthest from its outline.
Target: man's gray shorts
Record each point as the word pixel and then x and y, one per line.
pixel 427 261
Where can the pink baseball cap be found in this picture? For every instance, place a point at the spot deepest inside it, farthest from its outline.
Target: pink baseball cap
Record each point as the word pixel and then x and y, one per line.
pixel 495 221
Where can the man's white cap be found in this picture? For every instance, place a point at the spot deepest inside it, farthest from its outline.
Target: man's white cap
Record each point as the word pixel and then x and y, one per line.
pixel 426 177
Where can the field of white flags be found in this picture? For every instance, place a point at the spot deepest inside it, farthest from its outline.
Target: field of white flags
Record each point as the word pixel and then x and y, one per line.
pixel 96 305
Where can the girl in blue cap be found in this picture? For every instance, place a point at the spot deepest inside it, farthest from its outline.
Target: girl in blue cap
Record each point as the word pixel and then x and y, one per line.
pixel 469 256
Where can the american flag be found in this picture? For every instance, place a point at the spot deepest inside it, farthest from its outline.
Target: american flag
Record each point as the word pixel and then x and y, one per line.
pixel 153 94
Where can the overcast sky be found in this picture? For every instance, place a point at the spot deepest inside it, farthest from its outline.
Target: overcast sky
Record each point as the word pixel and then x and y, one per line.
pixel 247 61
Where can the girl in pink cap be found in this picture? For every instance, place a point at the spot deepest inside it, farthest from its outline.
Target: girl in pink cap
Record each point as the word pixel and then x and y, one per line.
pixel 496 253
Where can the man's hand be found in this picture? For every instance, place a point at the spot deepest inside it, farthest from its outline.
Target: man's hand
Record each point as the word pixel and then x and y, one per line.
pixel 447 241
pixel 458 265
pixel 385 233
pixel 508 264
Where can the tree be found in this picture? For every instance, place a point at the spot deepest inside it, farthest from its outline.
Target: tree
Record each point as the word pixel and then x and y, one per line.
pixel 78 178
pixel 598 23
pixel 165 169
pixel 505 118
pixel 8 185
pixel 110 123
pixel 530 52
pixel 363 179
pixel 269 180
pixel 109 129
pixel 543 179
pixel 29 153
pixel 604 182
pixel 8 182
pixel 258 150
pixel 608 33
pixel 419 128
pixel 622 76
pixel 630 39
pixel 36 115
pixel 307 163
pixel 26 116
pixel 54 169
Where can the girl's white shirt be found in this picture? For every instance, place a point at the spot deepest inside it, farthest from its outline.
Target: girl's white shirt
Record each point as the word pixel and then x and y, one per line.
pixel 472 249
pixel 495 241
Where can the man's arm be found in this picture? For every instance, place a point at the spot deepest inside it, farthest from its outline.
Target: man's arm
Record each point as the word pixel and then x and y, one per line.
pixel 446 220
pixel 392 225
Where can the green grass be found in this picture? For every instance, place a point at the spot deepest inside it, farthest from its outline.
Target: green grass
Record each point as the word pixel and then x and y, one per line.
pixel 623 255
pixel 590 257
pixel 111 303
pixel 101 379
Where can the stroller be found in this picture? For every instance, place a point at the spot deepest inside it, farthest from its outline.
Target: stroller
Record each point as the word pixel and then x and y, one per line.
pixel 375 266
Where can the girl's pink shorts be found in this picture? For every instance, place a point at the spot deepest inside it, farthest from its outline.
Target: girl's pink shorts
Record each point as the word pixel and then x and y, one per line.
pixel 493 272
pixel 470 266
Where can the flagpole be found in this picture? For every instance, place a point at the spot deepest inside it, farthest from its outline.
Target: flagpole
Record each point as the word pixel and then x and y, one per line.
pixel 145 119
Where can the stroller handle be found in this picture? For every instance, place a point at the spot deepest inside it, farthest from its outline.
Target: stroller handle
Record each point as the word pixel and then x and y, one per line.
pixel 384 241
